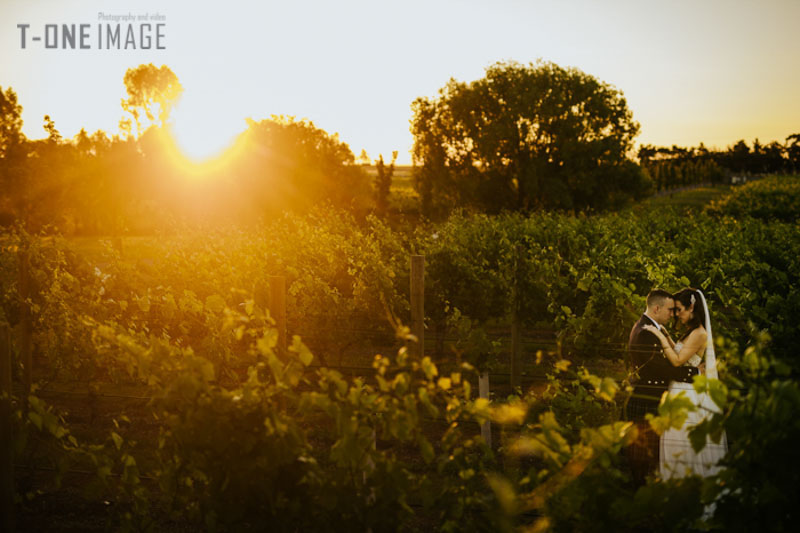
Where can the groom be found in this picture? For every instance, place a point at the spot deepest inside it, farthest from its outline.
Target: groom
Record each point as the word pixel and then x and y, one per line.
pixel 651 373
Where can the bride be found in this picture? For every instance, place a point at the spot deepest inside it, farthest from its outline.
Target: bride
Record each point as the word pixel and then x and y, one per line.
pixel 696 348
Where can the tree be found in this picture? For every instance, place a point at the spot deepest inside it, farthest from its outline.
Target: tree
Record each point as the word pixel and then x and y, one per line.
pixel 285 163
pixel 793 151
pixel 53 134
pixel 13 157
pixel 773 160
pixel 739 156
pixel 152 91
pixel 383 183
pixel 522 137
pixel 10 121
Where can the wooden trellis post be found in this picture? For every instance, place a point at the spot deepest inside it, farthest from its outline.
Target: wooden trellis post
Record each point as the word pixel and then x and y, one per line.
pixel 277 309
pixel 26 332
pixel 6 440
pixel 515 325
pixel 483 392
pixel 418 301
pixel 515 354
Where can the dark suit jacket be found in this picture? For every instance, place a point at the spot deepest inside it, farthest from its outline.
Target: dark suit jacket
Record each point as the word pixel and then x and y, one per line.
pixel 652 370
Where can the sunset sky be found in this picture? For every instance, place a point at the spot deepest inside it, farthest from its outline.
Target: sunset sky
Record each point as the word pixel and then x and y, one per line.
pixel 712 71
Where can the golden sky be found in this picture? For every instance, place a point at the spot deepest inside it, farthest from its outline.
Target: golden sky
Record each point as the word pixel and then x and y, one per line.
pixel 712 71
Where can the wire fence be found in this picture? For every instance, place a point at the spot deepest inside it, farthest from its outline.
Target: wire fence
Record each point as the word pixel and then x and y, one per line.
pixel 517 367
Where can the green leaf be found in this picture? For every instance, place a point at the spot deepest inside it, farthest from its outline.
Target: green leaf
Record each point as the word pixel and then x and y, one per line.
pixel 169 307
pixel 301 350
pixel 266 344
pixel 481 409
pixel 206 369
pixel 188 303
pixel 700 383
pixel 551 430
pixel 103 471
pixel 215 303
pixel 504 491
pixel 562 365
pixel 718 393
pixel 510 413
pixel 36 419
pixel 117 440
pixel 672 412
pixel 143 303
pixel 429 368
pixel 426 449
pixel 466 474
pixel 608 389
pixel 698 435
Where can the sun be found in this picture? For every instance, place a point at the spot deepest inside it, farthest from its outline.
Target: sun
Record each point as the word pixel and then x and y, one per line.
pixel 204 131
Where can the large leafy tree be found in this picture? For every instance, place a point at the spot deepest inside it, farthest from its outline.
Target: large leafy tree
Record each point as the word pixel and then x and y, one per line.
pixel 525 137
pixel 793 151
pixel 152 92
pixel 13 155
pixel 10 121
pixel 288 163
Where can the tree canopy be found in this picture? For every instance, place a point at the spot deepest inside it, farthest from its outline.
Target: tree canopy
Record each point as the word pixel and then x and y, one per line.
pixel 152 91
pixel 10 121
pixel 139 183
pixel 525 137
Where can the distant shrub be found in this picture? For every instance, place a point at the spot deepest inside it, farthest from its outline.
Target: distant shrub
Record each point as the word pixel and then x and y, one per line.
pixel 776 198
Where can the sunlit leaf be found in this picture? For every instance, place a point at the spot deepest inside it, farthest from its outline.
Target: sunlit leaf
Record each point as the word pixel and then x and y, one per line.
pixel 143 303
pixel 562 365
pixel 301 350
pixel 672 412
pixel 215 303
pixel 510 413
pixel 426 449
pixel 266 344
pixel 429 368
pixel 504 491
pixel 36 419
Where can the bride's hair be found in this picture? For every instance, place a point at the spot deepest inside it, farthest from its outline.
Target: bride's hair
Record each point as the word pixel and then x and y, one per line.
pixel 688 297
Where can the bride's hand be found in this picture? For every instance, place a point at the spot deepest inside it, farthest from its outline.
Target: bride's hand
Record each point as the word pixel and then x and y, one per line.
pixel 652 329
pixel 657 332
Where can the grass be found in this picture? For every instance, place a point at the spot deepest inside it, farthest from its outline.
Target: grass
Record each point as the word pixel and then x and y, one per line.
pixel 698 197
pixel 403 186
pixel 402 178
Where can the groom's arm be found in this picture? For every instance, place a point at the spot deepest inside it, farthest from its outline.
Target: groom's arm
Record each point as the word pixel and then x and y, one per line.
pixel 681 373
pixel 653 364
pixel 685 374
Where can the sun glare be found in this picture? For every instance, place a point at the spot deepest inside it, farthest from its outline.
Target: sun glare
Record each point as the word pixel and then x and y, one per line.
pixel 204 133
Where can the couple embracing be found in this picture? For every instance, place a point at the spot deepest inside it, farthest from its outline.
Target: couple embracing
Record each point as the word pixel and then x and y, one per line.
pixel 660 364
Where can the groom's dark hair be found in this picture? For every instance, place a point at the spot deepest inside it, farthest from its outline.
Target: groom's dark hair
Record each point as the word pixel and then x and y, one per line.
pixel 657 297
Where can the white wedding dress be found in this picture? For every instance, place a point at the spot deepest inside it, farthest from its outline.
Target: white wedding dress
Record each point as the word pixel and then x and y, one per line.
pixel 677 458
